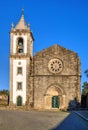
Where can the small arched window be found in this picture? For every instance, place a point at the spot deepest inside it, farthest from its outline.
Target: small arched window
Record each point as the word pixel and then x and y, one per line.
pixel 20 45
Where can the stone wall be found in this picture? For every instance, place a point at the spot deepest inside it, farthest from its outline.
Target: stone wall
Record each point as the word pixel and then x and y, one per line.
pixel 3 100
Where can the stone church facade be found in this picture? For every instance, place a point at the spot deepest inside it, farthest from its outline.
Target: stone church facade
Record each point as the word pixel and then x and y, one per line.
pixel 48 80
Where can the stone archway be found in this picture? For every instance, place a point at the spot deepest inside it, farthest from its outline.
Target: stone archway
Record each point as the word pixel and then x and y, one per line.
pixel 56 93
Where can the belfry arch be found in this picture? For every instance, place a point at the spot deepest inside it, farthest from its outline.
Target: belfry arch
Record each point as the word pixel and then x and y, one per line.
pixel 54 97
pixel 20 45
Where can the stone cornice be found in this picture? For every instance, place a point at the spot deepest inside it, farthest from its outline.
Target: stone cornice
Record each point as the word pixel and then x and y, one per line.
pixel 54 75
pixel 20 56
pixel 20 31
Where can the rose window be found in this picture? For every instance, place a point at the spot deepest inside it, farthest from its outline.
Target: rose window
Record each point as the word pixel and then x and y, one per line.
pixel 55 65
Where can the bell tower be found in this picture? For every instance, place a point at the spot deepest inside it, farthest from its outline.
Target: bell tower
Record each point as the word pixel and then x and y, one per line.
pixel 21 48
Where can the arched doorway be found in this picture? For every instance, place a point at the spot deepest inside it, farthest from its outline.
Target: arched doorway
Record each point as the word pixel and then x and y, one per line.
pixel 19 101
pixel 54 97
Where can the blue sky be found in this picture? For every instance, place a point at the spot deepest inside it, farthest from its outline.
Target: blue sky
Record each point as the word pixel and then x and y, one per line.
pixel 52 21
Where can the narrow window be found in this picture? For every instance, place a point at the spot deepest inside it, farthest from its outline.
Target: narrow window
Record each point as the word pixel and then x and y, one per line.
pixel 19 86
pixel 20 46
pixel 19 70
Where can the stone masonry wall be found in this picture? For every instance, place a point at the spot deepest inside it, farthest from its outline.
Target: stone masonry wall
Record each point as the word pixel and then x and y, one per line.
pixel 68 80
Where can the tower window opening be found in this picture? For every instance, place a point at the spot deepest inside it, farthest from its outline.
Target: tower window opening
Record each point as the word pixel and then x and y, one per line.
pixel 19 86
pixel 19 70
pixel 20 46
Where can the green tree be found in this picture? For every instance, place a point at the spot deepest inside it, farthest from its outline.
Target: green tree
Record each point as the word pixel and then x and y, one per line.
pixel 85 88
pixel 86 73
pixel 5 92
pixel 85 84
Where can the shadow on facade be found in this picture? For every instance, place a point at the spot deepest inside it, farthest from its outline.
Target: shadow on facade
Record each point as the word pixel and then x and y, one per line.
pixel 74 105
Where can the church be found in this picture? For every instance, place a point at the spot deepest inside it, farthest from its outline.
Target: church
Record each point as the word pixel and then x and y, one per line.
pixel 50 79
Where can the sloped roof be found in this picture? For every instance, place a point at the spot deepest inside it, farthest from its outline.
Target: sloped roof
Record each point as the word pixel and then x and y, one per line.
pixel 21 24
pixel 55 49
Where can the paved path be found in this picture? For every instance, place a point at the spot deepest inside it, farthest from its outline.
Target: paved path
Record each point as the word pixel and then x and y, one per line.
pixel 34 120
pixel 73 122
pixel 83 114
